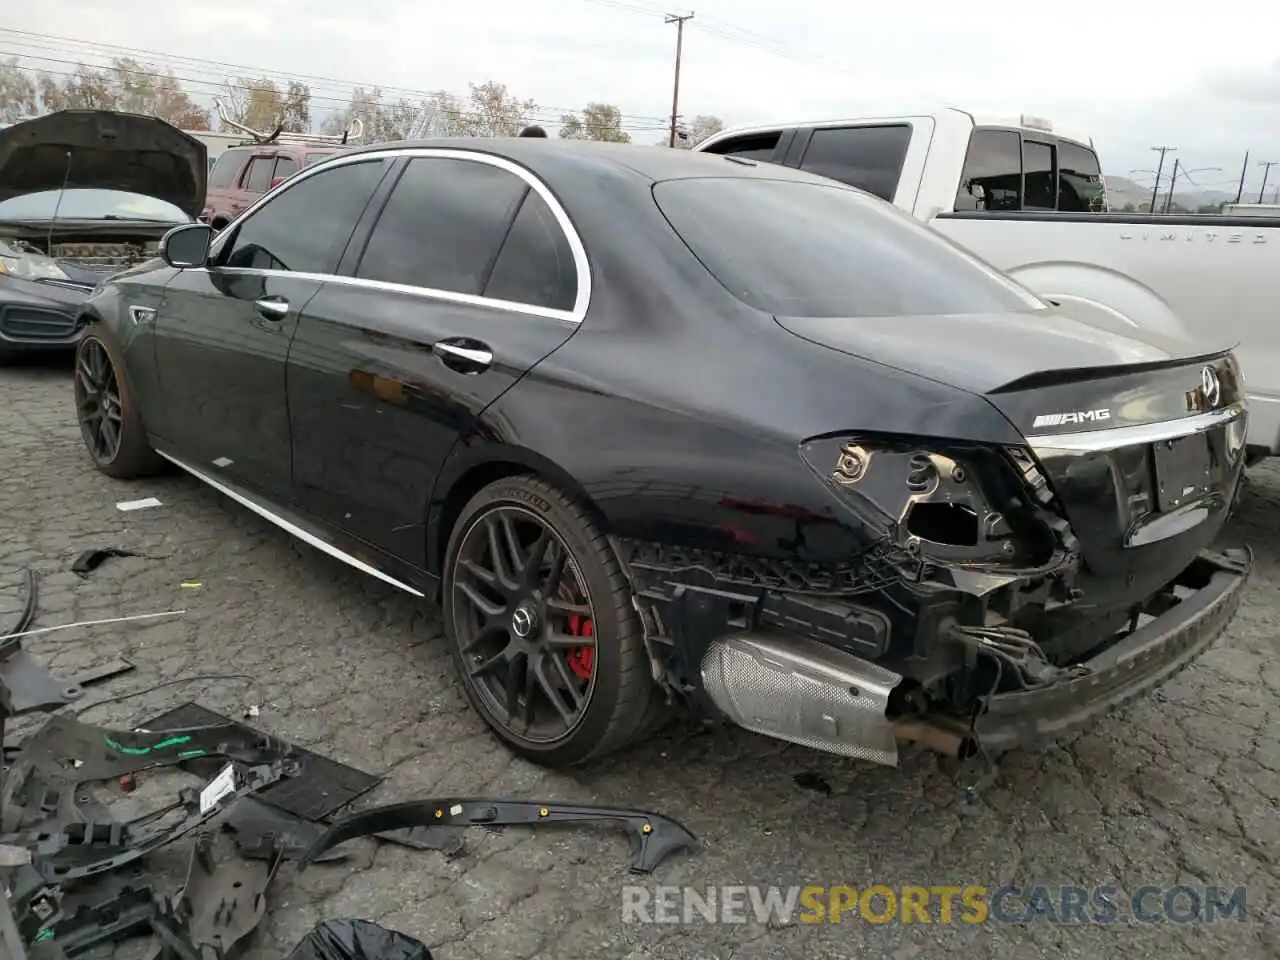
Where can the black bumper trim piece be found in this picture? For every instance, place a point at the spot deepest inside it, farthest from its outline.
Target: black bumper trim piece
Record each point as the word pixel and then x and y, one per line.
pixel 1135 666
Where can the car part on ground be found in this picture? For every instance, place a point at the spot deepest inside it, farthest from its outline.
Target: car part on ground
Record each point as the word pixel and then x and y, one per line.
pixel 654 837
pixel 72 878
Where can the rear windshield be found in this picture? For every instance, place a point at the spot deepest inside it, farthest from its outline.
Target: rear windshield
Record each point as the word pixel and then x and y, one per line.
pixel 800 249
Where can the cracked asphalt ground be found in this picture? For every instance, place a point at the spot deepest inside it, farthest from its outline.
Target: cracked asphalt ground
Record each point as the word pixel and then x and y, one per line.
pixel 1183 788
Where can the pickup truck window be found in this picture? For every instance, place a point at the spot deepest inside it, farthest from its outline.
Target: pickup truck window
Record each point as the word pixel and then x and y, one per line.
pixel 805 249
pixel 757 146
pixel 1038 191
pixel 867 157
pixel 1080 184
pixel 992 177
pixel 225 169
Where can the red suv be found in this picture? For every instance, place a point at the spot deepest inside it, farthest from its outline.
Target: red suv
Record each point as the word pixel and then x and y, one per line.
pixel 242 174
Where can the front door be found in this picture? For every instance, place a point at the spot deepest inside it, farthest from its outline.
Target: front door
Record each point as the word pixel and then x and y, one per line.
pixel 467 280
pixel 223 332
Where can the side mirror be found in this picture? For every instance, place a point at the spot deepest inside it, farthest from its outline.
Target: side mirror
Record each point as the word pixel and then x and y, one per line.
pixel 187 245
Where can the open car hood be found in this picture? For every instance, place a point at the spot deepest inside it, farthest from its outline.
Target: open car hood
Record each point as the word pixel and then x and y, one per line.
pixel 108 151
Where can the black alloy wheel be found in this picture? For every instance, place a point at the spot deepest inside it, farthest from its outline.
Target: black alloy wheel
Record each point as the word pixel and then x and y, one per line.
pixel 110 423
pixel 523 622
pixel 98 401
pixel 541 627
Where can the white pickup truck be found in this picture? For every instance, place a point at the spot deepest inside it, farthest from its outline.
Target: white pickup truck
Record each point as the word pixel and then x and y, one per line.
pixel 1033 203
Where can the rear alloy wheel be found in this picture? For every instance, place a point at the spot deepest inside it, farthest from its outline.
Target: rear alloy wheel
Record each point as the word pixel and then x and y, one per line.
pixel 541 629
pixel 109 422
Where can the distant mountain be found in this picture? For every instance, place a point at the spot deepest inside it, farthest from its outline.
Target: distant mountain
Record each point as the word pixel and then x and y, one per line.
pixel 1123 192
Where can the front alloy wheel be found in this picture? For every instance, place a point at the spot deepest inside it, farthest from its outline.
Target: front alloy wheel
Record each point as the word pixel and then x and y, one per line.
pixel 98 404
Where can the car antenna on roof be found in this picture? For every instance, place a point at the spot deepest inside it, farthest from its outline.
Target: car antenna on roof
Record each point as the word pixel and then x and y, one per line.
pixel 53 223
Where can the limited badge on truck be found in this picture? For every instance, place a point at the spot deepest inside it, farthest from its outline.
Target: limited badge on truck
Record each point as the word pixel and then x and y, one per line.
pixel 1077 416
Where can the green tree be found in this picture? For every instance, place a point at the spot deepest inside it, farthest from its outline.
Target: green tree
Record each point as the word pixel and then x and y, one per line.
pixel 596 121
pixel 18 95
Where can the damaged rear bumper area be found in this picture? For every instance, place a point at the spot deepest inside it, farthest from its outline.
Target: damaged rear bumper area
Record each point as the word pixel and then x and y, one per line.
pixel 807 692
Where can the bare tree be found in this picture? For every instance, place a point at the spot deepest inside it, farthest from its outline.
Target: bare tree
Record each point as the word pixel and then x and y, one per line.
pixel 18 96
pixel 596 121
pixel 256 103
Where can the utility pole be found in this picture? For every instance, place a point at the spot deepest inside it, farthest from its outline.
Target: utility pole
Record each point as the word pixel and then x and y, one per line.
pixel 1155 190
pixel 1173 182
pixel 678 20
pixel 1244 168
pixel 1266 166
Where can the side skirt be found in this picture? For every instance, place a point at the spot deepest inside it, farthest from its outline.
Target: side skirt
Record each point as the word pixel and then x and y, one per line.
pixel 305 530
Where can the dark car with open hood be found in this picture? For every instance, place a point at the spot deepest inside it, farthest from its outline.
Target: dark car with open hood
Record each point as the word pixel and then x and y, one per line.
pixel 83 195
pixel 665 430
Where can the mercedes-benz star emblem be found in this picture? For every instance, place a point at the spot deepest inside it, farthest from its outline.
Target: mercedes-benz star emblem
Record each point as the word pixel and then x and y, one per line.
pixel 522 621
pixel 1210 385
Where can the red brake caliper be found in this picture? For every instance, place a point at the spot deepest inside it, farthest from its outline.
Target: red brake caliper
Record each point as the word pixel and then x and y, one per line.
pixel 581 659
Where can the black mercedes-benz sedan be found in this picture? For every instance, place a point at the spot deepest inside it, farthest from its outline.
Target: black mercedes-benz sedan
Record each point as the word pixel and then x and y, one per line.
pixel 83 194
pixel 661 430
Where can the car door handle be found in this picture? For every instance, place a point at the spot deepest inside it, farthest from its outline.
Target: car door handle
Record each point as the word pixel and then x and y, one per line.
pixel 464 355
pixel 273 308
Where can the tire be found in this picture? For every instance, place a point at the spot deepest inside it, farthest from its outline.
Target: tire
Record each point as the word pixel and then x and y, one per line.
pixel 132 456
pixel 623 703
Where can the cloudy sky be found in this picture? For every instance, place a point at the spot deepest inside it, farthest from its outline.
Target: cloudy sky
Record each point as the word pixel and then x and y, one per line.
pixel 1130 73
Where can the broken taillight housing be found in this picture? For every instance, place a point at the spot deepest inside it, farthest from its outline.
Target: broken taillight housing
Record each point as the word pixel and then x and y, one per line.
pixel 961 503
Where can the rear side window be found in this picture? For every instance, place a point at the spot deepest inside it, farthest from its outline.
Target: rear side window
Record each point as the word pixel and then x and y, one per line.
pixel 808 250
pixel 754 146
pixel 286 167
pixel 869 158
pixel 536 263
pixel 443 225
pixel 225 168
pixel 1080 184
pixel 258 179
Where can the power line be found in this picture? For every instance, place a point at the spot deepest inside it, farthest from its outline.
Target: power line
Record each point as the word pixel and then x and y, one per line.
pixel 679 21
pixel 542 115
pixel 109 50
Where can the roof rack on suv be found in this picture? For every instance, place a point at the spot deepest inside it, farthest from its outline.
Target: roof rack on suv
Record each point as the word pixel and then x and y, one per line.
pixel 352 134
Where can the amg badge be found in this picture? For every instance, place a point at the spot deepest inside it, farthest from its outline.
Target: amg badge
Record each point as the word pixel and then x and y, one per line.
pixel 1077 416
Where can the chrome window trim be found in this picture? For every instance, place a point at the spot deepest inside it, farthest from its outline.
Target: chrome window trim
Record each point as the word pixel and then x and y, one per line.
pixel 582 265
pixel 1098 441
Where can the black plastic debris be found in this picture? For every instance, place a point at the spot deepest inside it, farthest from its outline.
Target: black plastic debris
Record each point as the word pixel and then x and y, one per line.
pixel 813 781
pixel 357 940
pixel 91 560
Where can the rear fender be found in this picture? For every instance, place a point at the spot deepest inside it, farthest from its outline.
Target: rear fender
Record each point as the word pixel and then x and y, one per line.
pixel 1103 295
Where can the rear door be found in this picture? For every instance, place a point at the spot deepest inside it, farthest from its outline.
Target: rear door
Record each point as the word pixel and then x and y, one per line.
pixel 462 281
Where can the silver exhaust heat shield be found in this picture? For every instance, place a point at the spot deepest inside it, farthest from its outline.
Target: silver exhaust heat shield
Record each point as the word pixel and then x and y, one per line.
pixel 804 692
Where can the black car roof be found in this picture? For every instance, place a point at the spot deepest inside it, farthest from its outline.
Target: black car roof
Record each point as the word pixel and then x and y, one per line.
pixel 553 160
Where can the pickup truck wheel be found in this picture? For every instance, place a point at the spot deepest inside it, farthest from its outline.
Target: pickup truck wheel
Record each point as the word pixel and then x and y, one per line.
pixel 110 423
pixel 538 614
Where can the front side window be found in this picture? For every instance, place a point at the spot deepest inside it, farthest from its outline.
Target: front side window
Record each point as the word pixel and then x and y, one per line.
pixel 869 158
pixel 443 225
pixel 285 167
pixel 800 249
pixel 992 177
pixel 306 227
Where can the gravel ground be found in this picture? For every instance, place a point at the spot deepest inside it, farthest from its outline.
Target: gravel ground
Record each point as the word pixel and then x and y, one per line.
pixel 1182 788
